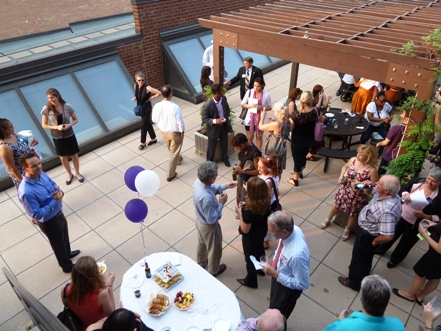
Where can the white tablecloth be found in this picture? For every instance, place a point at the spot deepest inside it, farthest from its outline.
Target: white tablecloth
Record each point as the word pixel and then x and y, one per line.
pixel 212 298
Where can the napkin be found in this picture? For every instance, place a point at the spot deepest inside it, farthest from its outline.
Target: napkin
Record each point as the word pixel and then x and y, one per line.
pixel 255 262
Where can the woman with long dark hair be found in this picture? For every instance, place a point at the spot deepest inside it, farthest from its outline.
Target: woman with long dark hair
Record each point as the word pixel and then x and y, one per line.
pixel 90 294
pixel 143 96
pixel 56 116
pixel 253 214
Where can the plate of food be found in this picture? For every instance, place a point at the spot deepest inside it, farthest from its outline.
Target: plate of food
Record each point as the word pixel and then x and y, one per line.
pixel 167 276
pixel 158 304
pixel 183 300
pixel 329 115
pixel 102 267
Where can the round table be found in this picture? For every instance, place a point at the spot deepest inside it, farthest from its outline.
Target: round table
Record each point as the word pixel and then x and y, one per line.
pixel 212 298
pixel 356 125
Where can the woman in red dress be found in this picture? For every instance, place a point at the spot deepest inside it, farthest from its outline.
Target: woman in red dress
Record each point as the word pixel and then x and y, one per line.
pixel 348 199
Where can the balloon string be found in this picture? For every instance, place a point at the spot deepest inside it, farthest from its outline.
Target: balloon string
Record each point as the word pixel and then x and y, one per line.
pixel 143 241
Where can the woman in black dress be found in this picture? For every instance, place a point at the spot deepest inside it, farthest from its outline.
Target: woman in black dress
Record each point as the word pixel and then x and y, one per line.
pixel 428 268
pixel 143 95
pixel 253 214
pixel 56 116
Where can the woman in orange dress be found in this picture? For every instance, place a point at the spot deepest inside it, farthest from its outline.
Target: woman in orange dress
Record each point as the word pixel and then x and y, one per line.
pixel 366 93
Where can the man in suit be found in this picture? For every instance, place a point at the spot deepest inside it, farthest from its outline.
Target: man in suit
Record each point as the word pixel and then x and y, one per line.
pixel 246 75
pixel 216 115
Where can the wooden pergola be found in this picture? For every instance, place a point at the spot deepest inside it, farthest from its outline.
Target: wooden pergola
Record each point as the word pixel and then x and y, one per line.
pixel 351 36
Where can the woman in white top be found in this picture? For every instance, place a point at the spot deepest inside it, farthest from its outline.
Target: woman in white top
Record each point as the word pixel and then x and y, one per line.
pixel 367 90
pixel 268 171
pixel 256 100
pixel 379 115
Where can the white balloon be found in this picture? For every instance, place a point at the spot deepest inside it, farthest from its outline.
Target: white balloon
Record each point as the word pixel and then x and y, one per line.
pixel 147 183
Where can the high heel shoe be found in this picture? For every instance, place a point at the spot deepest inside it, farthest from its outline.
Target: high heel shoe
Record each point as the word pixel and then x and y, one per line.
pixel 325 223
pixel 345 235
pixel 294 182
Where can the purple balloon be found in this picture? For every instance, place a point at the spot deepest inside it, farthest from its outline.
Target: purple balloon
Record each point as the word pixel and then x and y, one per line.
pixel 130 175
pixel 136 210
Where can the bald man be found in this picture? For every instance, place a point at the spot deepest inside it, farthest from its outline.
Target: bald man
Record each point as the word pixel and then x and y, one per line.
pixel 271 320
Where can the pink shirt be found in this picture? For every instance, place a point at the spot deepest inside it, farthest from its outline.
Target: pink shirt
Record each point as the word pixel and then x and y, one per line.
pixel 407 211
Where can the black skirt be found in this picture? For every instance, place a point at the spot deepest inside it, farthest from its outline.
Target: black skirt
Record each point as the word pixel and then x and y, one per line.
pixel 66 146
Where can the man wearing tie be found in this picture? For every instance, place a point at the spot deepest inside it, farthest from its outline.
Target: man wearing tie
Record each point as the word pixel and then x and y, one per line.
pixel 216 114
pixel 246 75
pixel 290 267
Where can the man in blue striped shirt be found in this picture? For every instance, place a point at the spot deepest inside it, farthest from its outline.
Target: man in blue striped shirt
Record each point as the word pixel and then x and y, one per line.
pixel 376 226
pixel 41 197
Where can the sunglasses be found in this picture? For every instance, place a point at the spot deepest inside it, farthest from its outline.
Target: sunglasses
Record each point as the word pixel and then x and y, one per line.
pixel 141 80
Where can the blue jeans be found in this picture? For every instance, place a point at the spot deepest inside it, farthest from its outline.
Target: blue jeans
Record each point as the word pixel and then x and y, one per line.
pixel 365 136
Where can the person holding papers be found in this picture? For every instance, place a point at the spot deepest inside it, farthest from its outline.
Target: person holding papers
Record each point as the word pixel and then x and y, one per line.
pixel 421 200
pixel 256 100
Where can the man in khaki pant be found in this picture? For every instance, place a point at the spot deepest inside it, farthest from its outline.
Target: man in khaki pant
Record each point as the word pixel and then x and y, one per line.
pixel 168 117
pixel 209 212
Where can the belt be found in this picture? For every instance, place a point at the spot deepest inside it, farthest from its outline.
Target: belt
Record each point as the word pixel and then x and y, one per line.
pixel 367 232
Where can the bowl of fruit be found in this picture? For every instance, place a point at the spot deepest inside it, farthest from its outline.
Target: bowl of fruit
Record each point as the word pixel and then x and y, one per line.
pixel 184 300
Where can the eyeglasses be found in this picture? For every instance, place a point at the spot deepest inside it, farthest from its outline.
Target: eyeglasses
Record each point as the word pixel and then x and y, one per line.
pixel 140 80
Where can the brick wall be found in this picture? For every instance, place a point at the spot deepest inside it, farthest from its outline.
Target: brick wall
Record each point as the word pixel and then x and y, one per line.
pixel 152 17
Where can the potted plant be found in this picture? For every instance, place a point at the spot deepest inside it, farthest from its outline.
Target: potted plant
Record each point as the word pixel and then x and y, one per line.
pixel 417 141
pixel 200 136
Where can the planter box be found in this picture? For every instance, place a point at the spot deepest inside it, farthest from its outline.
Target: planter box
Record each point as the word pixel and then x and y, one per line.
pixel 201 144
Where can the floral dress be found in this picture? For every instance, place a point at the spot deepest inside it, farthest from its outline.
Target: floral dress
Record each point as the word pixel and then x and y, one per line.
pixel 351 200
pixel 18 149
pixel 285 128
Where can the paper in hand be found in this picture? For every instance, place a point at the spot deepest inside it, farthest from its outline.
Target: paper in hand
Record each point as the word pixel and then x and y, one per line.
pixel 255 262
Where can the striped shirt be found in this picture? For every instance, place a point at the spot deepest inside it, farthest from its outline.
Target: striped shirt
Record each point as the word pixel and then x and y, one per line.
pixel 380 215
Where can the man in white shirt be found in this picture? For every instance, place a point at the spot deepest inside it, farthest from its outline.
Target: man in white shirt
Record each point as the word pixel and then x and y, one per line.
pixel 168 117
pixel 290 268
pixel 207 60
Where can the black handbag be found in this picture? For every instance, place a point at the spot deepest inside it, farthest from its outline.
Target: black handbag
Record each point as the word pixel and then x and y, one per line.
pixel 243 113
pixel 275 206
pixel 139 110
pixel 68 317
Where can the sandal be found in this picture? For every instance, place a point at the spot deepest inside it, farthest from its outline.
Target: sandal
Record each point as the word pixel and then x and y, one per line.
pixel 151 142
pixel 345 235
pixel 325 223
pixel 311 158
pixel 141 147
pixel 293 182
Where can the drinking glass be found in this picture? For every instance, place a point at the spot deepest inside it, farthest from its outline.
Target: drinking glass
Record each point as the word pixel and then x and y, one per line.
pixel 264 260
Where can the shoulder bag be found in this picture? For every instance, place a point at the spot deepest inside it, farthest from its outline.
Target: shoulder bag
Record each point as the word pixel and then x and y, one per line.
pixel 68 317
pixel 320 128
pixel 139 110
pixel 243 113
pixel 275 145
pixel 275 206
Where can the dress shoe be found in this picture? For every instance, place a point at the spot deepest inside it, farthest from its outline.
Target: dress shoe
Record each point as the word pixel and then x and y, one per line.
pixel 243 282
pixel 74 253
pixel 338 93
pixel 390 265
pixel 222 268
pixel 344 281
pixel 69 181
pixel 68 270
pixel 227 163
pixel 169 179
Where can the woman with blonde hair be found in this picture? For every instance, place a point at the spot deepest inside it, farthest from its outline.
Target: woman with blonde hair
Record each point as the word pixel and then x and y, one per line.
pixel 56 116
pixel 281 125
pixel 90 294
pixel 253 214
pixel 302 135
pixel 350 200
